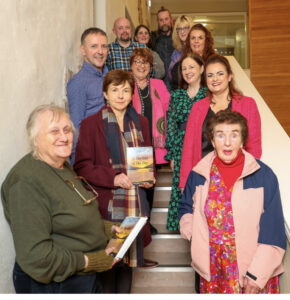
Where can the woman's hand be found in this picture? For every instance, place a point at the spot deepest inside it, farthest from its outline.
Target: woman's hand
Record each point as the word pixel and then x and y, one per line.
pixel 116 229
pixel 109 251
pixel 172 165
pixel 123 181
pixel 147 185
pixel 250 287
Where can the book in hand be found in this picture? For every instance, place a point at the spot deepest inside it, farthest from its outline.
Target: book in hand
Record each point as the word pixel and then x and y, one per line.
pixel 140 164
pixel 131 226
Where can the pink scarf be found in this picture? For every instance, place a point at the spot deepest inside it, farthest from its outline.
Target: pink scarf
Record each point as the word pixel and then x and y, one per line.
pixel 158 116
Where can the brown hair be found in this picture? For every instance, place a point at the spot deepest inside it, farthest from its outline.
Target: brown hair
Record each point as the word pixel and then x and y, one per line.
pixel 162 9
pixel 227 117
pixel 141 52
pixel 149 44
pixel 216 58
pixel 182 84
pixel 92 30
pixel 208 47
pixel 118 77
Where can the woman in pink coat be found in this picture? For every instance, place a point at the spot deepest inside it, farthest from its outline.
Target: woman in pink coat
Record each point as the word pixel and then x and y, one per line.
pixel 231 213
pixel 222 95
pixel 150 99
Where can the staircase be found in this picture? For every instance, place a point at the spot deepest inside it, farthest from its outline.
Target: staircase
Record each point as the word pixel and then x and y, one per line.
pixel 174 274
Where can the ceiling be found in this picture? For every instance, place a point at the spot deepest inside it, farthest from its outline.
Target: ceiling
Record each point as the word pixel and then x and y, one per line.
pixel 222 17
pixel 200 6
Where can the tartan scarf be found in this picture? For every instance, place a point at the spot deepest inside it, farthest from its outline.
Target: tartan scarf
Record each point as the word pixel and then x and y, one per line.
pixel 125 202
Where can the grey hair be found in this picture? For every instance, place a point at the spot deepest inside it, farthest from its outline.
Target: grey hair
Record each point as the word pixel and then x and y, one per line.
pixel 32 127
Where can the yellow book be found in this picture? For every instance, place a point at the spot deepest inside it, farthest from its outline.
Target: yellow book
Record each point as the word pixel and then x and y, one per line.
pixel 131 226
pixel 140 164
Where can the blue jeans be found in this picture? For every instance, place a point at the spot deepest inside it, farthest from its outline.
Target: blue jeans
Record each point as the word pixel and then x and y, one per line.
pixel 76 284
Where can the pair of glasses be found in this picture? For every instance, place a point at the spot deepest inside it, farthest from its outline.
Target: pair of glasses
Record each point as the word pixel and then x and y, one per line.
pixel 180 29
pixel 141 62
pixel 87 186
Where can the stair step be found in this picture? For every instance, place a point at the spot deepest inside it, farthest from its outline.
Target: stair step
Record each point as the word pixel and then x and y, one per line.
pixel 158 219
pixel 163 280
pixel 161 196
pixel 164 179
pixel 169 250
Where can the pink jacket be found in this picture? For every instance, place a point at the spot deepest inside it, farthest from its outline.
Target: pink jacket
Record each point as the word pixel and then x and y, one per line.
pixel 191 153
pixel 160 103
pixel 258 218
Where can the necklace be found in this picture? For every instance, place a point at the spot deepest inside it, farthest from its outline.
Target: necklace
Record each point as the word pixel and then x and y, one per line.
pixel 142 98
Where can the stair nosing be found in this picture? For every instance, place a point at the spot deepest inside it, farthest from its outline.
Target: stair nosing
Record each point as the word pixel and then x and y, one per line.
pixel 167 236
pixel 163 188
pixel 166 269
pixel 159 209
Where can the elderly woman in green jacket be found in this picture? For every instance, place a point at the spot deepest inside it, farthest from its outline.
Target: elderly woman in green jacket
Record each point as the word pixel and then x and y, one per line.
pixel 59 235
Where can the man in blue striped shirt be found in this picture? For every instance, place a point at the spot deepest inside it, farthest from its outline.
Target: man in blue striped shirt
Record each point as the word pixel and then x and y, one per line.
pixel 121 49
pixel 85 89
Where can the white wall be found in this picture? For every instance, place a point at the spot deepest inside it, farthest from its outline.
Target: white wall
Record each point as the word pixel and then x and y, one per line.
pixel 275 141
pixel 39 45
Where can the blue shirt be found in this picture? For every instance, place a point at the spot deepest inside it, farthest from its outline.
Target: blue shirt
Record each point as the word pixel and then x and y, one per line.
pixel 85 95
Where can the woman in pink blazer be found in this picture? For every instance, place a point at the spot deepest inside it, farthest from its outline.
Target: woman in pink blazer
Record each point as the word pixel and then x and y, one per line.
pixel 150 99
pixel 221 95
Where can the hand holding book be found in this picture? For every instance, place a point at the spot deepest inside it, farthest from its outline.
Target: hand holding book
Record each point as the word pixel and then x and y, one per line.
pixel 123 181
pixel 147 185
pixel 140 165
pixel 130 228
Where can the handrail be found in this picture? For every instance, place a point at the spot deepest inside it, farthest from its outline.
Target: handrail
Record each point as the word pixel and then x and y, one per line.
pixel 275 141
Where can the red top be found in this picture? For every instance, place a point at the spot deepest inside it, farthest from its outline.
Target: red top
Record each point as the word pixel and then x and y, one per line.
pixel 230 172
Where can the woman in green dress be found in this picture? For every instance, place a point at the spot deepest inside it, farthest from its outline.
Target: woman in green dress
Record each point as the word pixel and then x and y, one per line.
pixel 191 90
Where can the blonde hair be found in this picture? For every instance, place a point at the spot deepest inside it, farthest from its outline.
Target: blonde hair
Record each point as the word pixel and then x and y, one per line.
pixel 32 127
pixel 177 44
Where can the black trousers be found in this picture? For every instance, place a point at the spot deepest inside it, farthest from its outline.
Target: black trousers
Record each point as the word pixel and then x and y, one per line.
pixel 76 284
pixel 150 196
pixel 118 280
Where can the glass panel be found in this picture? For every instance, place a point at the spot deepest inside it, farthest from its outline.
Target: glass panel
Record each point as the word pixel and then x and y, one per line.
pixel 229 31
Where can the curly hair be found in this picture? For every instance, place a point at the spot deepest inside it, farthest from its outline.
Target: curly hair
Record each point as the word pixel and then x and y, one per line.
pixel 208 48
pixel 141 52
pixel 227 117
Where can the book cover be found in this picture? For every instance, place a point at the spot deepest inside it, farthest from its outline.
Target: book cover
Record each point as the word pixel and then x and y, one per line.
pixel 140 164
pixel 130 227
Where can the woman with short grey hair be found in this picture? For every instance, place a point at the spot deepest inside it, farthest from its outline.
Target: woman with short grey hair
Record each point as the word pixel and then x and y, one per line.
pixel 59 235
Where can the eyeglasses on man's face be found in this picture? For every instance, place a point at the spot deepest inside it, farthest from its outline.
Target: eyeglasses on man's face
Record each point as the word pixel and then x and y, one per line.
pixel 87 186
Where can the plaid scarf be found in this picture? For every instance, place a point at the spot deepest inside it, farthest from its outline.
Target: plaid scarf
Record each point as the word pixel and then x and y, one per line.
pixel 125 202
